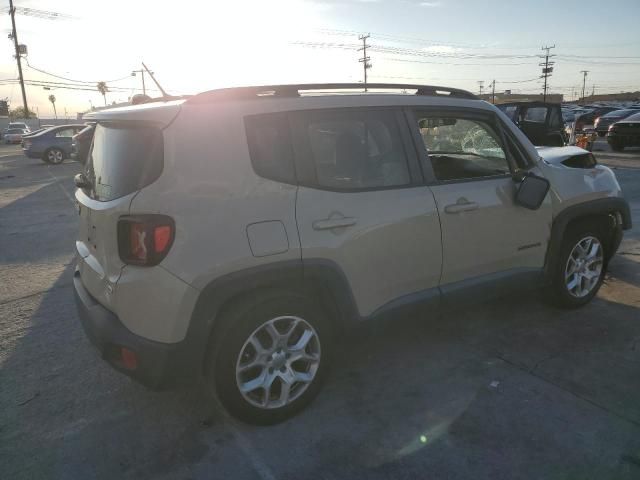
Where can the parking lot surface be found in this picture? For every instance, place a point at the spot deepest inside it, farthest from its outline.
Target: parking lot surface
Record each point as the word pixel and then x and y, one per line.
pixel 513 389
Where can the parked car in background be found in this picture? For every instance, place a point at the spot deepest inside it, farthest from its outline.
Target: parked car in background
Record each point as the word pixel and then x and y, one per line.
pixel 588 119
pixel 81 142
pixel 14 135
pixel 624 133
pixel 541 122
pixel 602 123
pixel 52 145
pixel 16 126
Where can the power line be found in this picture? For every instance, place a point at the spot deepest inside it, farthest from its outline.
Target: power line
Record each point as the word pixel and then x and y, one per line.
pixel 72 80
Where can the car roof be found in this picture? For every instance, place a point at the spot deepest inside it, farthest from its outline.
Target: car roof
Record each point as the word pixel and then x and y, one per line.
pixel 295 97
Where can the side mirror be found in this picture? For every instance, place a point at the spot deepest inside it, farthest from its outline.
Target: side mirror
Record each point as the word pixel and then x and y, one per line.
pixel 532 191
pixel 81 181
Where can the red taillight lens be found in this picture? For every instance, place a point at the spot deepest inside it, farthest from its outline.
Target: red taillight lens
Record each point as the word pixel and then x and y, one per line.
pixel 145 240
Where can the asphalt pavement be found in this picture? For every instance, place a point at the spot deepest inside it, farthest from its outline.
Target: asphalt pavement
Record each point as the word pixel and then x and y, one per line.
pixel 513 389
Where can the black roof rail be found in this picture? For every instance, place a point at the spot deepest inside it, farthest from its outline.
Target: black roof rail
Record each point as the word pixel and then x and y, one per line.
pixel 270 91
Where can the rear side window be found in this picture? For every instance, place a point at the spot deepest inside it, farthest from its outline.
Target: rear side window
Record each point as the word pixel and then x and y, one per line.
pixel 270 147
pixel 535 114
pixel 123 159
pixel 353 150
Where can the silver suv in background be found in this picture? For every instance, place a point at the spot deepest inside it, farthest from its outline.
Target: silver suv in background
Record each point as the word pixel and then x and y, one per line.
pixel 232 235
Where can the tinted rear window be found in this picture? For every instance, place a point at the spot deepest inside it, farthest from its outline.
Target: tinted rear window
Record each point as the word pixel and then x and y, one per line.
pixel 123 159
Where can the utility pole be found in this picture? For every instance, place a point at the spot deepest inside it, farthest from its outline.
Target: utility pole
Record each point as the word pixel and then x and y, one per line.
pixel 584 81
pixel 481 85
pixel 493 91
pixel 547 70
pixel 593 90
pixel 14 36
pixel 141 72
pixel 365 59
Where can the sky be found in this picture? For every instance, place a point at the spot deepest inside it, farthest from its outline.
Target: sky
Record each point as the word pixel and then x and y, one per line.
pixel 193 46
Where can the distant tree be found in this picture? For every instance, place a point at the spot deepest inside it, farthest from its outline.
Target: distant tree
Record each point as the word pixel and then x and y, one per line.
pixel 18 112
pixel 52 99
pixel 103 89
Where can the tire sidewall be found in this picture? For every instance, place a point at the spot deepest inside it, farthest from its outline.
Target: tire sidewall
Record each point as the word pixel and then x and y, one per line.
pixel 222 374
pixel 563 297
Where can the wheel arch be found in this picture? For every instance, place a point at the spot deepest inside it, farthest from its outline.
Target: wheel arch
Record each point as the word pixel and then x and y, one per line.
pixel 321 280
pixel 613 210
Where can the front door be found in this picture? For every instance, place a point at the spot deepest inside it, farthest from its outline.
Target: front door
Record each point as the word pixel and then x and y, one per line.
pixel 483 231
pixel 362 204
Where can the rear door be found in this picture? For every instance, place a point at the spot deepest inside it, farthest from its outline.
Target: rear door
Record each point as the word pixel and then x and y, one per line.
pixel 124 158
pixel 362 204
pixel 63 139
pixel 484 232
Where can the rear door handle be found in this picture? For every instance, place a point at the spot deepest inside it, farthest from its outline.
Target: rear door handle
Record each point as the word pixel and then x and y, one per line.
pixel 331 223
pixel 464 206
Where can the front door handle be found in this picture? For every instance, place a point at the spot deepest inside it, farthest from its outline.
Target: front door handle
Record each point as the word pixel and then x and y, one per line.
pixel 462 205
pixel 331 223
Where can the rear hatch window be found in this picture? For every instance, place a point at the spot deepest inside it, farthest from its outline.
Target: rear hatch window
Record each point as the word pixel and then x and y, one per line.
pixel 123 159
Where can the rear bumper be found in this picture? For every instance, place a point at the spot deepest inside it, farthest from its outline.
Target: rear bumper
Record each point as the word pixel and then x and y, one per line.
pixel 159 365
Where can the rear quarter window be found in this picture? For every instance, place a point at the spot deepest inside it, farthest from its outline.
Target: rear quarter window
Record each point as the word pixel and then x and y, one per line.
pixel 270 147
pixel 123 159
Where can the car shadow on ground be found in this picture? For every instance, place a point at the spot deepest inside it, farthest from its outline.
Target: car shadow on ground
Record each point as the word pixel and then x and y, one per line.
pixel 504 388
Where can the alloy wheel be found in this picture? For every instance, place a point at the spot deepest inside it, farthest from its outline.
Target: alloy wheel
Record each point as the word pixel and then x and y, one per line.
pixel 584 267
pixel 278 362
pixel 55 156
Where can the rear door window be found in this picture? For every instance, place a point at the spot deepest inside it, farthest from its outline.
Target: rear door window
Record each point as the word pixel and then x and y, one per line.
pixel 123 159
pixel 356 149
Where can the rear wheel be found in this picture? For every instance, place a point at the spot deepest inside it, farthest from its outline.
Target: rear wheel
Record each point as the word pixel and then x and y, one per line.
pixel 53 156
pixel 581 267
pixel 271 362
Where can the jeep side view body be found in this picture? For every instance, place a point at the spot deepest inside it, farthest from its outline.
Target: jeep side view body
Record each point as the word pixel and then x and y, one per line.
pixel 233 234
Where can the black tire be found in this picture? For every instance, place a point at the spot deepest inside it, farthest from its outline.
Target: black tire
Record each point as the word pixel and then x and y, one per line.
pixel 559 292
pixel 241 323
pixel 53 156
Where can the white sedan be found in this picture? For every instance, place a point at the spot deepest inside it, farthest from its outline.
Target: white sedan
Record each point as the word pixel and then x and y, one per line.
pixel 14 135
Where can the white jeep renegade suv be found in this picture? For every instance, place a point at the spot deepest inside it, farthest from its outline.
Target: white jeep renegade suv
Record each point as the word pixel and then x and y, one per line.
pixel 231 234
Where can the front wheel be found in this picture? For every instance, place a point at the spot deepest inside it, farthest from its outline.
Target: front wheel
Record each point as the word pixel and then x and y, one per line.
pixel 53 156
pixel 272 360
pixel 581 268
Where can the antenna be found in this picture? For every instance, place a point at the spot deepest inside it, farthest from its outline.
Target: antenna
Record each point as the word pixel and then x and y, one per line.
pixel 164 94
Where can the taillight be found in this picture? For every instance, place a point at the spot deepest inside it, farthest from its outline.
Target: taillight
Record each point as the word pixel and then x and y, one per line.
pixel 145 240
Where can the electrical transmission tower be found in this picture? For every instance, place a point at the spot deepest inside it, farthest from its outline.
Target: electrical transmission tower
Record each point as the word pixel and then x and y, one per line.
pixel 366 65
pixel 547 70
pixel 481 85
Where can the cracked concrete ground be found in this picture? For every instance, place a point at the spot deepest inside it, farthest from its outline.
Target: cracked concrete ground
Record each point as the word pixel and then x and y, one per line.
pixel 514 389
